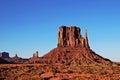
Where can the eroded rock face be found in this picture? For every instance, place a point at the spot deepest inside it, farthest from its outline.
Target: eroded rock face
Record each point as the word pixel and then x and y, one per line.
pixel 71 37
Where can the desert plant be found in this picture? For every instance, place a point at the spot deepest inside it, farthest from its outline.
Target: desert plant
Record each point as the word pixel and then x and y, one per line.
pixel 54 70
pixel 41 72
pixel 67 63
pixel 45 79
pixel 2 78
pixel 104 73
pixel 64 79
pixel 69 71
pixel 118 64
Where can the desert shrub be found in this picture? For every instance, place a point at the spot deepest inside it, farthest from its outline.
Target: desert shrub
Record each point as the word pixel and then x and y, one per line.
pixel 104 73
pixel 64 79
pixel 69 71
pixel 67 63
pixel 29 66
pixel 2 78
pixel 54 70
pixel 45 79
pixel 118 64
pixel 4 69
pixel 41 72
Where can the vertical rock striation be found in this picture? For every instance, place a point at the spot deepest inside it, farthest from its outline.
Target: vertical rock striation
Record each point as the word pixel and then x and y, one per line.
pixel 71 37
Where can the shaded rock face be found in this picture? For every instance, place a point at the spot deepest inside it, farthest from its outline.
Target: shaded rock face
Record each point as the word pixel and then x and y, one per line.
pixel 71 37
pixel 4 55
pixel 2 61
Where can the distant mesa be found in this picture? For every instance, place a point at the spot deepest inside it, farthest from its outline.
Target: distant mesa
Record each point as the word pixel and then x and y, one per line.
pixel 5 59
pixel 4 55
pixel 72 48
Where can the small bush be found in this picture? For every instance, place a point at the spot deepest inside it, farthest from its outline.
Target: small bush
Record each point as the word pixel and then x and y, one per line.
pixel 104 73
pixel 64 79
pixel 45 78
pixel 41 72
pixel 69 71
pixel 118 64
pixel 54 70
pixel 67 63
pixel 2 78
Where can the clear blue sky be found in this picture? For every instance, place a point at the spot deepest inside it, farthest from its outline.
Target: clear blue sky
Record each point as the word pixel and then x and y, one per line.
pixel 27 26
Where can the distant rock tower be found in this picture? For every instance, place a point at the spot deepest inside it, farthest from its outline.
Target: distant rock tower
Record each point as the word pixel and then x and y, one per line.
pixel 16 56
pixel 71 37
pixel 35 55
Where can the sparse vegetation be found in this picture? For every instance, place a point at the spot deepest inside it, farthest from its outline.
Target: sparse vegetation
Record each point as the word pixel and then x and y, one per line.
pixel 45 78
pixel 41 72
pixel 2 78
pixel 47 72
pixel 118 64
pixel 104 73
pixel 54 70
pixel 69 71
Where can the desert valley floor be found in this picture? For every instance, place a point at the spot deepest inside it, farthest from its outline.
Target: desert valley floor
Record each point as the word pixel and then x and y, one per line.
pixel 59 72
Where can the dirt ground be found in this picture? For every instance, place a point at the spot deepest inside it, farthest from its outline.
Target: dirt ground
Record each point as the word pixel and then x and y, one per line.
pixel 59 72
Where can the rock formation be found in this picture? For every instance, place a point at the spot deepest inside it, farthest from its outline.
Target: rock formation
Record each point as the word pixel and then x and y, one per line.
pixel 16 56
pixel 71 37
pixel 35 55
pixel 17 59
pixel 2 61
pixel 4 55
pixel 5 59
pixel 72 48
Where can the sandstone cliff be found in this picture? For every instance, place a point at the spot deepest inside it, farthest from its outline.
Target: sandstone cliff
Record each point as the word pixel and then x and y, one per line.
pixel 71 36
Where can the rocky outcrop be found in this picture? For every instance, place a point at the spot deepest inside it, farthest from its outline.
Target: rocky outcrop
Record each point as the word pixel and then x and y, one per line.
pixel 72 48
pixel 16 56
pixel 4 55
pixel 4 58
pixel 2 61
pixel 71 37
pixel 35 55
pixel 77 55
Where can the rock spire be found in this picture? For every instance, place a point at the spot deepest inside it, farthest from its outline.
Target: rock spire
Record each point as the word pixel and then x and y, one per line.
pixel 35 55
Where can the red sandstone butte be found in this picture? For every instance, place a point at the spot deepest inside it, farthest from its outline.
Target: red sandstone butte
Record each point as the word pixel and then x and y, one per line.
pixel 72 48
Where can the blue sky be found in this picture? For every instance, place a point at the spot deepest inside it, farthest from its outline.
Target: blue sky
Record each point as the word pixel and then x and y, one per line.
pixel 27 26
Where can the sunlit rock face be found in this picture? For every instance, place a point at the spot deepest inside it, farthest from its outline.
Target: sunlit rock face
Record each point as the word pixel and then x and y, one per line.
pixel 71 37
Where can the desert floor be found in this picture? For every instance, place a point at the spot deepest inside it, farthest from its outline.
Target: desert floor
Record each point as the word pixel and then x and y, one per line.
pixel 59 72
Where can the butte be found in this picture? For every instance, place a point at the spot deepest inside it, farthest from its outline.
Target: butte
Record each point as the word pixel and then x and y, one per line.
pixel 72 48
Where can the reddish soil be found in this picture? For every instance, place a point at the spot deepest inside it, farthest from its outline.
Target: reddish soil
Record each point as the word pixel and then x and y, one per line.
pixel 70 55
pixel 59 72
